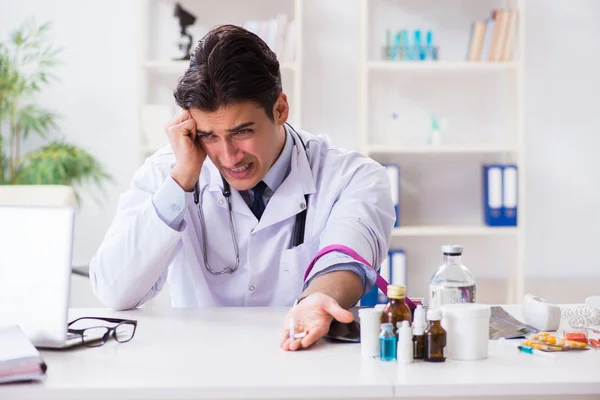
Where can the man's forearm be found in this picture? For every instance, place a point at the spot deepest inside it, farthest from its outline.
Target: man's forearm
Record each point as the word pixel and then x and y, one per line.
pixel 346 287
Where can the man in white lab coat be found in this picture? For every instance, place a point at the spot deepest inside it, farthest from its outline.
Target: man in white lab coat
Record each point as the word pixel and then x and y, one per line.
pixel 219 213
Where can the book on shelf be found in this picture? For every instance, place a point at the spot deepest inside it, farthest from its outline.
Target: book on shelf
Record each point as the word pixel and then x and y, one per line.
pixel 19 359
pixel 493 39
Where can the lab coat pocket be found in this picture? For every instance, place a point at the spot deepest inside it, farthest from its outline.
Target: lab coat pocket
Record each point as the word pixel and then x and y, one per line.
pixel 294 263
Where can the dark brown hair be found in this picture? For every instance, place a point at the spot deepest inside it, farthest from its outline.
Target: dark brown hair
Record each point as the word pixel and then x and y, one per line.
pixel 230 65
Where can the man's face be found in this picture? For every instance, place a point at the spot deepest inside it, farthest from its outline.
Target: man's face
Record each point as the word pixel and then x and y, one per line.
pixel 241 140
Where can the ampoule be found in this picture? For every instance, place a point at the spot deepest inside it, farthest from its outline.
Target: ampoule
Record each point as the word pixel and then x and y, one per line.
pixel 435 338
pixel 387 343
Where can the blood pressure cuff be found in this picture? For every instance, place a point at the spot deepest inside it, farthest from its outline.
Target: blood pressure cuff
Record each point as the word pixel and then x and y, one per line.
pixel 381 283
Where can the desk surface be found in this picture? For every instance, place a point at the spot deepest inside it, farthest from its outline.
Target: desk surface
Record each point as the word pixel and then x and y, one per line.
pixel 234 353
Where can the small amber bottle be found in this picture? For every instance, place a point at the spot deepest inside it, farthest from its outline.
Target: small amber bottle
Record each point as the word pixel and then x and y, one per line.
pixel 435 338
pixel 396 310
pixel 418 326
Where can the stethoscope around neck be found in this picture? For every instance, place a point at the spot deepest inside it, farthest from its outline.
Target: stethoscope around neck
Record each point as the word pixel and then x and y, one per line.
pixel 297 235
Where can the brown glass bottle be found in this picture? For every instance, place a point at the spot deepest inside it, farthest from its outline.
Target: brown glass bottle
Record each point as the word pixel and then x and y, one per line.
pixel 396 309
pixel 435 338
pixel 419 346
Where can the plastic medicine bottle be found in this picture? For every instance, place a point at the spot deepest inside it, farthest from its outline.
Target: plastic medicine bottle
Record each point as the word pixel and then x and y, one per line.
pixel 404 352
pixel 369 331
pixel 435 338
pixel 396 310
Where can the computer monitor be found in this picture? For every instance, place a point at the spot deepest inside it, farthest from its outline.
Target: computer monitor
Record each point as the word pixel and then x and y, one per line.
pixel 36 244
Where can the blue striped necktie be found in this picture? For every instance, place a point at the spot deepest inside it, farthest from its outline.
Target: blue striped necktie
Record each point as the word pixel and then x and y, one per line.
pixel 258 205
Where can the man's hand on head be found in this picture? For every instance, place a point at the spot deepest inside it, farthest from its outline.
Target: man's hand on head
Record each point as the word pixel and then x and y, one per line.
pixel 189 154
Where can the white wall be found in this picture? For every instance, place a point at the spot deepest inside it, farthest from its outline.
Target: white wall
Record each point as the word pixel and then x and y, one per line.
pixel 562 98
pixel 97 97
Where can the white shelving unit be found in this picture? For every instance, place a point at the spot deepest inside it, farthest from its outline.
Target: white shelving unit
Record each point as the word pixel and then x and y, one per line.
pixel 158 73
pixel 453 231
pixel 447 149
pixel 379 79
pixel 439 66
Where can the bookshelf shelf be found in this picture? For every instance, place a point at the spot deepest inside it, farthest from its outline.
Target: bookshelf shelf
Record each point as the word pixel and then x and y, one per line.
pixel 179 67
pixel 454 231
pixel 446 149
pixel 442 66
pixel 482 103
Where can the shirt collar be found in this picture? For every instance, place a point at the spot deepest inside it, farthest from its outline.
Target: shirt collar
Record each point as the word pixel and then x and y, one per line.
pixel 281 167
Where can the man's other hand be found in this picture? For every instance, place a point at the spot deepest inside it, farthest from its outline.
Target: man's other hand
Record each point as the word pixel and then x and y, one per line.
pixel 312 316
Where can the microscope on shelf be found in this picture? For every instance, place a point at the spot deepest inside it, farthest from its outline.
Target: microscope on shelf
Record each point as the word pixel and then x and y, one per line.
pixel 186 19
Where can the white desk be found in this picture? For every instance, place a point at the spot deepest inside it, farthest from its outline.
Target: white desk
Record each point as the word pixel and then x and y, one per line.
pixel 234 353
pixel 506 372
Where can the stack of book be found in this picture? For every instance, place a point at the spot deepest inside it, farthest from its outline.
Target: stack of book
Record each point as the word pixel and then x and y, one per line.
pixel 19 359
pixel 493 39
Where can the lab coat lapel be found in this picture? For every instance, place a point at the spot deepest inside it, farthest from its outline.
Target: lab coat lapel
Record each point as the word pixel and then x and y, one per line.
pixel 288 200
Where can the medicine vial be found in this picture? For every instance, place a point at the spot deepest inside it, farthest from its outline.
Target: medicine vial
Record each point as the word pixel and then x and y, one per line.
pixel 435 338
pixel 418 338
pixel 369 331
pixel 396 310
pixel 387 343
pixel 452 283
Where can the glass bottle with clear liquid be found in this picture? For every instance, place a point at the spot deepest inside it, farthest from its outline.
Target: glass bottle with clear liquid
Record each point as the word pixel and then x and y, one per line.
pixel 452 283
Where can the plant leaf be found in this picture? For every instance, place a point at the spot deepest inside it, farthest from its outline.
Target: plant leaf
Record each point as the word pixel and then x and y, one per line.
pixel 31 118
pixel 60 163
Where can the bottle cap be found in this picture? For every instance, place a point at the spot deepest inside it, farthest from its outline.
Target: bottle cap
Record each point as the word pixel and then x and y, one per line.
pixel 396 291
pixel 434 315
pixel 387 326
pixel 369 312
pixel 452 249
pixel 404 330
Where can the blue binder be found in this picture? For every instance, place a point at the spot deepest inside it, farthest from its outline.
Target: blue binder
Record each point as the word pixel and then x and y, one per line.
pixel 500 194
pixel 386 273
pixel 398 272
pixel 393 171
pixel 370 299
pixel 492 194
pixel 510 194
pixel 376 296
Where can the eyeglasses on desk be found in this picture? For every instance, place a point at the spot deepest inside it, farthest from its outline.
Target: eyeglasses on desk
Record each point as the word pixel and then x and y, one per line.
pixel 94 331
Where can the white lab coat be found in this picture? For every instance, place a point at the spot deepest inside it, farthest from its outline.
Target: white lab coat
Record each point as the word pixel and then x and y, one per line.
pixel 349 204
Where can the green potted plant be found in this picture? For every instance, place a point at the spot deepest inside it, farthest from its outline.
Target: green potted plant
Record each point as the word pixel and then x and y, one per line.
pixel 26 63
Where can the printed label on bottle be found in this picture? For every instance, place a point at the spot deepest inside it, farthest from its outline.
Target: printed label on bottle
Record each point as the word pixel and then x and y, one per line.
pixel 452 295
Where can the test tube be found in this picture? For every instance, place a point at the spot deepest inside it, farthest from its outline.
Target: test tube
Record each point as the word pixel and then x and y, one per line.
pixel 370 323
